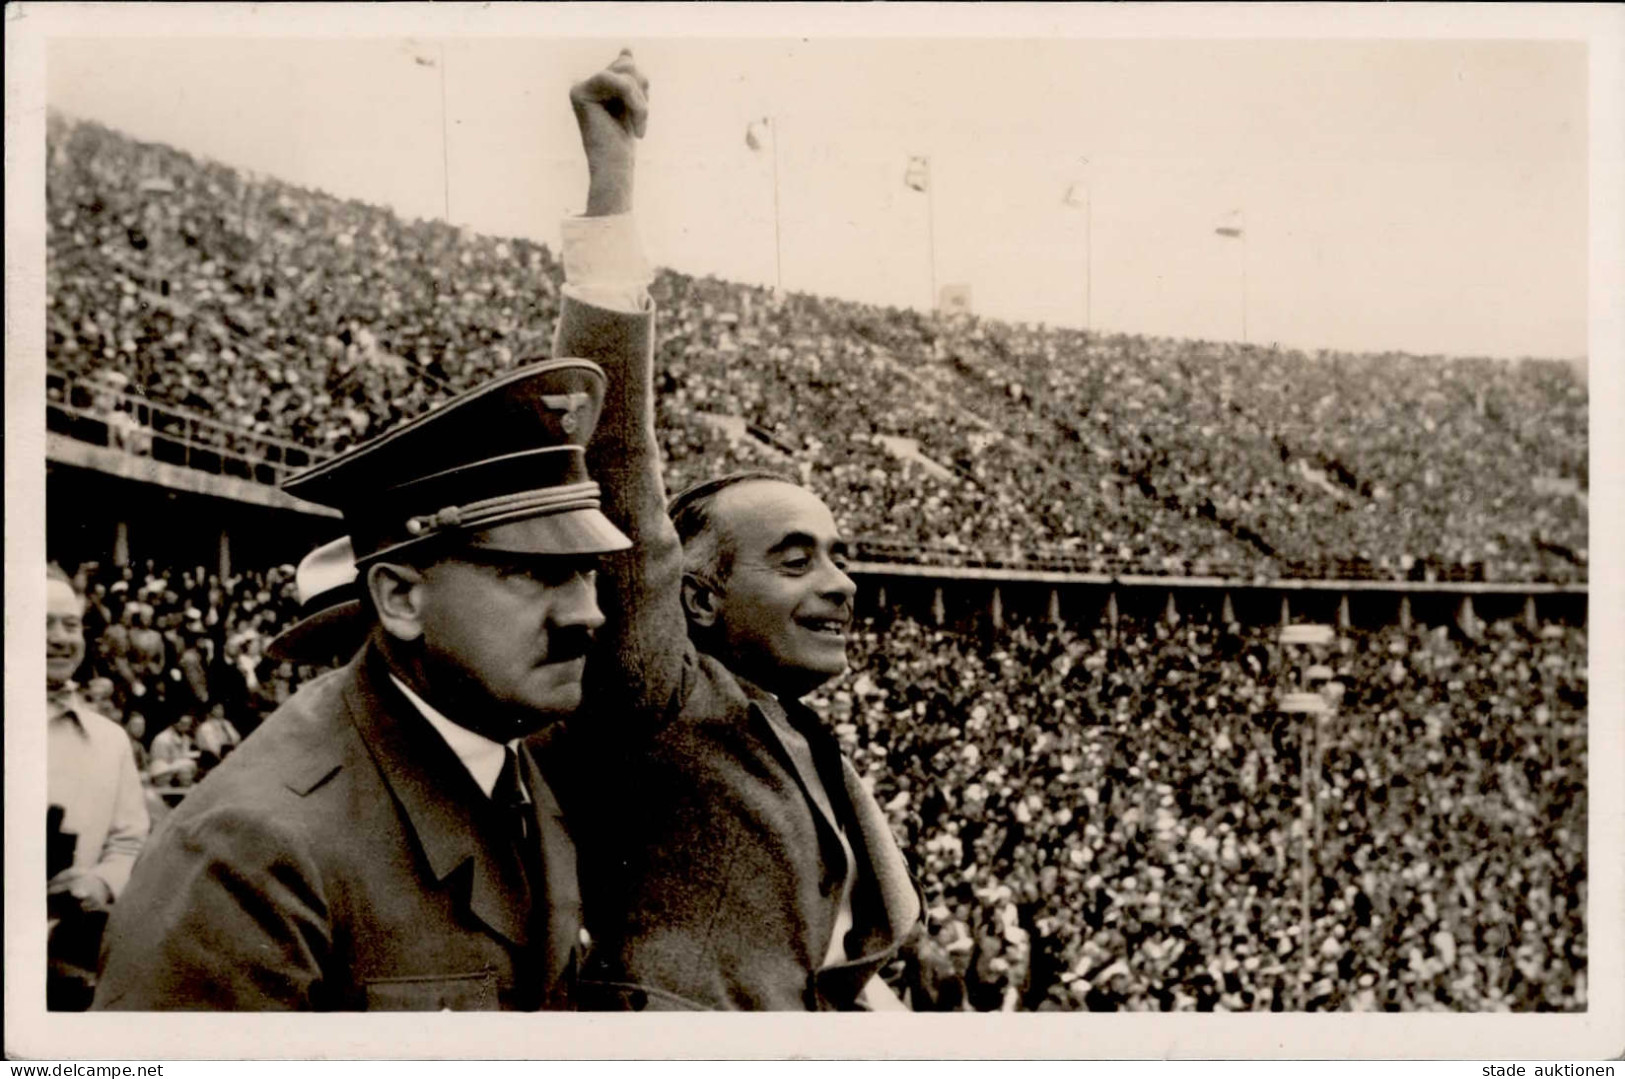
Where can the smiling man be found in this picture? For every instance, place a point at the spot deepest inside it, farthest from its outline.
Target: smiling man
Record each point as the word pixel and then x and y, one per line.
pixel 765 587
pixel 730 857
pixel 735 860
pixel 97 817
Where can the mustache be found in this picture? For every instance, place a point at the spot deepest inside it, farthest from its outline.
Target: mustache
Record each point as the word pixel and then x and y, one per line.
pixel 568 643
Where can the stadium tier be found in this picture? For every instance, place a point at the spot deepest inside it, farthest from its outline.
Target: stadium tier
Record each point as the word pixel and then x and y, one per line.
pixel 279 322
pixel 1108 816
pixel 1112 818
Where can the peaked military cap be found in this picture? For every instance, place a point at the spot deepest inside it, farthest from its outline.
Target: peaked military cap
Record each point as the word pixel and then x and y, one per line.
pixel 501 467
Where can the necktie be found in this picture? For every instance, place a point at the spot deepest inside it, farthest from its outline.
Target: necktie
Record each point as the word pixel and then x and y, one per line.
pixel 512 800
pixel 518 813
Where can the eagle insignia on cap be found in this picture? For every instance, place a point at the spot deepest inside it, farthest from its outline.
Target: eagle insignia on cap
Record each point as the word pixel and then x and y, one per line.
pixel 570 404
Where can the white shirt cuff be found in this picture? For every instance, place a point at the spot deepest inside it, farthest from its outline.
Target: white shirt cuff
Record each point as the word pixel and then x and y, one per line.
pixel 604 263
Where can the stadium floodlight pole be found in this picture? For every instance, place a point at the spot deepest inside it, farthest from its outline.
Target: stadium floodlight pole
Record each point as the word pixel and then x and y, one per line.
pixel 445 147
pixel 778 242
pixel 771 124
pixel 918 178
pixel 931 231
pixel 439 65
pixel 1238 231
pixel 1313 706
pixel 1244 277
pixel 1082 194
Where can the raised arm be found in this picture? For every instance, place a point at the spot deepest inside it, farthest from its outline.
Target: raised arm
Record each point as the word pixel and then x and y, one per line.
pixel 635 675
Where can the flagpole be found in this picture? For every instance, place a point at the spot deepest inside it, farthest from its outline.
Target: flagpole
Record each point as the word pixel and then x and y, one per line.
pixel 931 231
pixel 1088 258
pixel 1244 231
pixel 445 152
pixel 778 249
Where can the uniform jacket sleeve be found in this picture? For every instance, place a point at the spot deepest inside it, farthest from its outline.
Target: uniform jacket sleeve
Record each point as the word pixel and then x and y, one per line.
pixel 230 917
pixel 638 669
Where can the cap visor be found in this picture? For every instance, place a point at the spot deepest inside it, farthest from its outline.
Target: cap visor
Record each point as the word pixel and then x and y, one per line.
pixel 574 532
pixel 337 632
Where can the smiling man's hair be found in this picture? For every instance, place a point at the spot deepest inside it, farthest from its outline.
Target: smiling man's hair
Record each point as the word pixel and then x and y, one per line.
pixel 708 551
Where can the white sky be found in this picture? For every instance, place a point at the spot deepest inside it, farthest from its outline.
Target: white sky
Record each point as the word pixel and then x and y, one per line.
pixel 1421 195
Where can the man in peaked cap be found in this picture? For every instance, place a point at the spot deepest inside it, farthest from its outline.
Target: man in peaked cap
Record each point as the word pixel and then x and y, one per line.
pixel 386 840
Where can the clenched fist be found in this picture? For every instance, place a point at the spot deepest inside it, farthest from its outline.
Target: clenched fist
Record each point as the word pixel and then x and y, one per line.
pixel 612 111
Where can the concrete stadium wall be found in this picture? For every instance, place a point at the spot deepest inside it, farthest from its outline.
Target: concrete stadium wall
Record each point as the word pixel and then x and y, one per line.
pixel 112 507
pixel 965 598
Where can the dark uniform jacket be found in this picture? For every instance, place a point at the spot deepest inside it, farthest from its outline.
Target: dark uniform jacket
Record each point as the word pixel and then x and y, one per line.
pixel 344 859
pixel 709 878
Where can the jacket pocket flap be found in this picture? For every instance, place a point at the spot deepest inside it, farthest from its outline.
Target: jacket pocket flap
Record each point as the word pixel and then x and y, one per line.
pixel 434 993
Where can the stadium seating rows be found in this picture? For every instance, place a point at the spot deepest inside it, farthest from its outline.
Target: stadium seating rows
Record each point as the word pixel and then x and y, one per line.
pixel 1113 820
pixel 289 313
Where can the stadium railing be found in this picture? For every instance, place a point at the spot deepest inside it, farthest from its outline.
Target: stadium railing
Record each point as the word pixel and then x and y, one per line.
pixel 95 411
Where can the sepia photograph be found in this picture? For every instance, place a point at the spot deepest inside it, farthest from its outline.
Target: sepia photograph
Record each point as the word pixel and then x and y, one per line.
pixel 557 510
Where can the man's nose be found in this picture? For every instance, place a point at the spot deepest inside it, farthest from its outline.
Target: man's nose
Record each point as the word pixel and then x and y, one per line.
pixel 838 587
pixel 577 605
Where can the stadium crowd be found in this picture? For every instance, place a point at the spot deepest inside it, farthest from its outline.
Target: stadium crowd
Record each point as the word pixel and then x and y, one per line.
pixel 1101 819
pixel 1113 820
pixel 285 313
pixel 177 657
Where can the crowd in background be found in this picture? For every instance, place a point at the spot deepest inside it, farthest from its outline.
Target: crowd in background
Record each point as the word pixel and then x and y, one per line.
pixel 286 313
pixel 1114 819
pixel 1102 818
pixel 177 657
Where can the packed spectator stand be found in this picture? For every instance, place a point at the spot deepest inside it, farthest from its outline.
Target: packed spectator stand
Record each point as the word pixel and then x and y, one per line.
pixel 291 315
pixel 1103 817
pixel 1110 819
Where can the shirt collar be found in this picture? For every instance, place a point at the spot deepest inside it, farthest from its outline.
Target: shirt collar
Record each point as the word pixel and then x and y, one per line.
pixel 789 713
pixel 768 701
pixel 482 757
pixel 64 703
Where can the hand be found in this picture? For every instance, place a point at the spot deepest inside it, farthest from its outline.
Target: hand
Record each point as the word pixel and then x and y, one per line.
pixel 85 888
pixel 612 111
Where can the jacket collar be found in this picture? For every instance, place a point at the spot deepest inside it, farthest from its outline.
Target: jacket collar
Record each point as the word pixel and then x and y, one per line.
pixel 886 901
pixel 442 806
pixel 561 885
pixel 770 712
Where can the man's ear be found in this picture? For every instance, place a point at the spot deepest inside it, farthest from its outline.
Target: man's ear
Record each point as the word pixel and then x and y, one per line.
pixel 700 602
pixel 397 594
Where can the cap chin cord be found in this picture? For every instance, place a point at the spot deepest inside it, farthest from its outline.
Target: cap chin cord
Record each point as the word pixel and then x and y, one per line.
pixel 489 512
pixel 492 511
